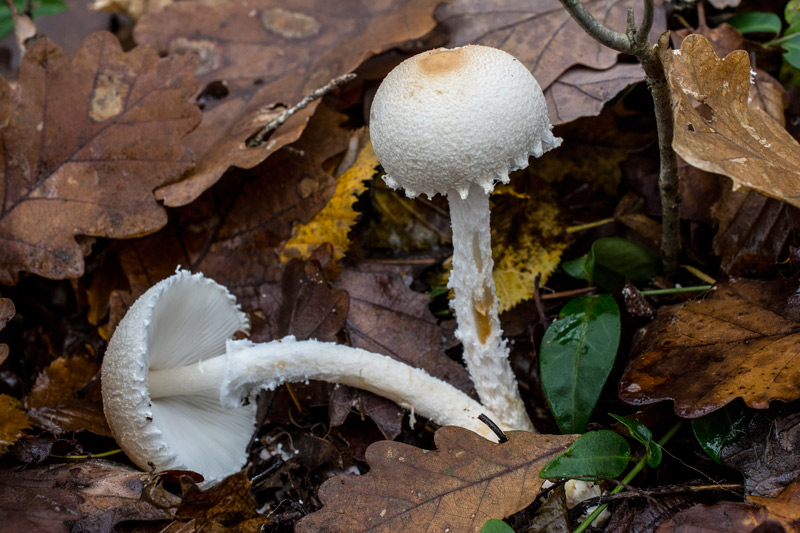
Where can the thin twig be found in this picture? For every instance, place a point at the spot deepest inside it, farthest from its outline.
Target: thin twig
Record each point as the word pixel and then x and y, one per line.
pixel 260 137
pixel 501 437
pixel 636 42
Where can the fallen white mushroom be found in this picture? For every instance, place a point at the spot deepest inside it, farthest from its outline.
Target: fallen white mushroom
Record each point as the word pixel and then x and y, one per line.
pixel 173 380
pixel 454 122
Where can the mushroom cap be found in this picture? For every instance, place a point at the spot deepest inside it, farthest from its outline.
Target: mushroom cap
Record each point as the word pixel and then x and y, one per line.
pixel 447 118
pixel 181 320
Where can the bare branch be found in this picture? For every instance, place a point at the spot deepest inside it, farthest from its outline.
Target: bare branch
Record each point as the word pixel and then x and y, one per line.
pixel 595 29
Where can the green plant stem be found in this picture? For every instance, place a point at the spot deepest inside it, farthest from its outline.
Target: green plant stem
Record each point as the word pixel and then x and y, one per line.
pixel 590 225
pixel 88 455
pixel 676 290
pixel 628 478
pixel 635 41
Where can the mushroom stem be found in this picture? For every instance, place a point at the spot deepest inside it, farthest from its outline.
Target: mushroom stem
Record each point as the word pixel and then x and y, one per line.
pixel 475 304
pixel 247 368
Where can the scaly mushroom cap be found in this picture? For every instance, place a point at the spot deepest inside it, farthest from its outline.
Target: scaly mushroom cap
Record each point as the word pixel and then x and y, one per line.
pixel 447 118
pixel 179 321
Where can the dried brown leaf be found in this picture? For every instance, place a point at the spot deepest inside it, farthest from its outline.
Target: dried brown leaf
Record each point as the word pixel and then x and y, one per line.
pixel 84 144
pixel 723 517
pixel 228 506
pixel 7 312
pixel 767 452
pixel 267 56
pixel 465 482
pixel 90 496
pixel 726 134
pixel 234 232
pixel 66 397
pixel 742 341
pixel 784 507
pixel 544 37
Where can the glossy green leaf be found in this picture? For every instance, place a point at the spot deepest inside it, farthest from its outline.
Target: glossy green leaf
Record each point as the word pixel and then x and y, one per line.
pixel 643 434
pixel 756 22
pixel 576 356
pixel 791 50
pixel 496 526
pixel 597 453
pixel 580 268
pixel 721 427
pixel 611 260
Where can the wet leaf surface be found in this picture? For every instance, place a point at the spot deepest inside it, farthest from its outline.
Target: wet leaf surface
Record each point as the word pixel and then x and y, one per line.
pixel 13 422
pixel 268 56
pixel 84 144
pixel 465 482
pixel 766 453
pixel 739 342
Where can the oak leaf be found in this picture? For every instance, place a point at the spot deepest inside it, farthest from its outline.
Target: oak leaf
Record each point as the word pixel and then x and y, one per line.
pixel 94 495
pixel 722 517
pixel 727 134
pixel 235 231
pixel 742 341
pixel 66 397
pixel 784 507
pixel 84 144
pixel 264 56
pixel 545 38
pixel 465 482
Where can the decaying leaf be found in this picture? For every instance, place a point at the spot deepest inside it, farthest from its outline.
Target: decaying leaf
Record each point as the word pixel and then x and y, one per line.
pixel 741 341
pixel 784 507
pixel 333 223
pixel 228 506
pixel 465 482
pixel 261 57
pixel 90 496
pixel 726 134
pixel 545 38
pixel 13 421
pixel 234 232
pixel 767 452
pixel 527 241
pixel 66 397
pixel 84 144
pixel 7 312
pixel 723 517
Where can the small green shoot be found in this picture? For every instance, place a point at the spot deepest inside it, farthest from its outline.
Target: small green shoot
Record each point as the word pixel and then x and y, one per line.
pixel 611 260
pixel 496 526
pixel 641 433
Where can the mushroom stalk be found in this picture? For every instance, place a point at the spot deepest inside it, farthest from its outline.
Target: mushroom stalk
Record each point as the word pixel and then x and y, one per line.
pixel 475 304
pixel 248 368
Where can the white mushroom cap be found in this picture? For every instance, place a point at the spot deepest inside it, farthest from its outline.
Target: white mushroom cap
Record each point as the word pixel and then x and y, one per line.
pixel 181 320
pixel 447 118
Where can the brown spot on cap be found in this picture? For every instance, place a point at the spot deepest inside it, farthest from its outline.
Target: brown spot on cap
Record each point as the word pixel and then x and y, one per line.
pixel 442 61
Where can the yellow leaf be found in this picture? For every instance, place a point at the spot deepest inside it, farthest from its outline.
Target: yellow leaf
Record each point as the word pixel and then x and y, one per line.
pixel 333 223
pixel 13 421
pixel 527 240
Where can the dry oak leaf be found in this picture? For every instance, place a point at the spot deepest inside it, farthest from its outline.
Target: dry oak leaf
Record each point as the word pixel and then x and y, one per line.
pixel 742 341
pixel 94 495
pixel 13 422
pixel 261 56
pixel 83 144
pixel 723 517
pixel 457 488
pixel 544 37
pixel 235 231
pixel 727 134
pixel 784 508
pixel 66 397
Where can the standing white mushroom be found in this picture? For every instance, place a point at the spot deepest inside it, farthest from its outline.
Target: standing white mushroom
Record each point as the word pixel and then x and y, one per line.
pixel 454 122
pixel 173 380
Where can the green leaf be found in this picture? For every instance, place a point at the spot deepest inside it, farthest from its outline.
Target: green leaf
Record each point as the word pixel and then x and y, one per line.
pixel 756 22
pixel 496 526
pixel 576 356
pixel 791 13
pixel 721 427
pixel 641 433
pixel 580 268
pixel 597 453
pixel 625 258
pixel 791 49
